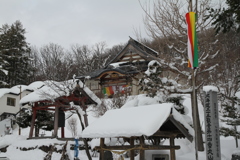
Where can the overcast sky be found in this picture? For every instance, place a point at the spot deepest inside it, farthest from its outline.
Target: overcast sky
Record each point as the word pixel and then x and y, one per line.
pixel 67 22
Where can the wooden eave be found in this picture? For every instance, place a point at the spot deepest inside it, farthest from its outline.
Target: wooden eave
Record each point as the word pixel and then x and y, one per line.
pixel 109 72
pixel 87 99
pixel 176 130
pixel 140 53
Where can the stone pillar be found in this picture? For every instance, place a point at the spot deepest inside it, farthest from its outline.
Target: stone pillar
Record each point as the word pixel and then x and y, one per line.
pixel 212 140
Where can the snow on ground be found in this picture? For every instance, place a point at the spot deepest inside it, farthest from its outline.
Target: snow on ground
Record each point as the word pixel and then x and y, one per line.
pixel 186 152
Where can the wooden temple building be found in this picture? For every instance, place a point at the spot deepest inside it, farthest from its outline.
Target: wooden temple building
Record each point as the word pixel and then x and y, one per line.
pixel 57 97
pixel 140 125
pixel 121 74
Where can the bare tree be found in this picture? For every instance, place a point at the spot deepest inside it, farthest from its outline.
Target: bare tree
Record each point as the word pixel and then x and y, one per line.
pixel 72 122
pixel 166 25
pixel 52 62
pixel 88 59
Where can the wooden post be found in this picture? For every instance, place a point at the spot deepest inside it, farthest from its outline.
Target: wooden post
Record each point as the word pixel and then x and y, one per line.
pixel 33 122
pixel 55 121
pixel 84 107
pixel 62 132
pixel 172 150
pixel 142 152
pixel 19 129
pixel 132 152
pixel 101 157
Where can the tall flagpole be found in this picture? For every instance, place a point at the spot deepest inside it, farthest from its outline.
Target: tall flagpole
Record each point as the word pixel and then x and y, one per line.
pixel 194 100
pixel 194 113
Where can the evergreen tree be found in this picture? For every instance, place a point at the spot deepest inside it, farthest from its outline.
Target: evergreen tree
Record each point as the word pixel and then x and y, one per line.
pixel 14 51
pixel 44 120
pixel 24 119
pixel 231 116
pixel 151 82
pixel 226 19
pixel 157 86
pixel 177 100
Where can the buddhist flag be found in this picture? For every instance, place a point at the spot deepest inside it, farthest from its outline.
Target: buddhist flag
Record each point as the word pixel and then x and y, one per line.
pixel 191 19
pixel 108 90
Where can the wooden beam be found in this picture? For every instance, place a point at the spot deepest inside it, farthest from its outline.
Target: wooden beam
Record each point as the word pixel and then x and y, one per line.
pixel 62 132
pixel 101 157
pixel 132 152
pixel 109 72
pixel 119 78
pixel 131 55
pixel 115 82
pixel 172 151
pixel 144 147
pixel 142 151
pixel 55 122
pixel 182 129
pixel 33 122
pixel 167 133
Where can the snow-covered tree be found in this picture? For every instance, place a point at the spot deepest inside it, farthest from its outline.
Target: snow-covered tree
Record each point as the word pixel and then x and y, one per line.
pixel 14 52
pixel 231 117
pixel 151 82
pixel 165 89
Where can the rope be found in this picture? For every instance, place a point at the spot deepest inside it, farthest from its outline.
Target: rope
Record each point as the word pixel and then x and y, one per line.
pixel 121 152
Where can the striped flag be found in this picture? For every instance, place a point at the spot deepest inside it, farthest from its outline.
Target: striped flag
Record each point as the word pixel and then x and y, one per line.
pixel 191 19
pixel 108 90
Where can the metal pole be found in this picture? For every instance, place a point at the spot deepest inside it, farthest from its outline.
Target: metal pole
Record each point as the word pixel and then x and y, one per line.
pixel 196 10
pixel 194 107
pixel 194 113
pixel 190 5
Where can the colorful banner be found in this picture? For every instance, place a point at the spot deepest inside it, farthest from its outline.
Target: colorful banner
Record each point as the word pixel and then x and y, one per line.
pixel 113 89
pixel 191 19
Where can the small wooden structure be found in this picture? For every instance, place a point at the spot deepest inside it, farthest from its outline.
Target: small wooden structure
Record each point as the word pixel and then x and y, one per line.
pixel 164 122
pixel 57 98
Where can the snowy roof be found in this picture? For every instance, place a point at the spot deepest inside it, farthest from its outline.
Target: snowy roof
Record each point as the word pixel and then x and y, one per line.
pixel 52 90
pixel 210 88
pixel 16 89
pixel 134 121
pixel 146 51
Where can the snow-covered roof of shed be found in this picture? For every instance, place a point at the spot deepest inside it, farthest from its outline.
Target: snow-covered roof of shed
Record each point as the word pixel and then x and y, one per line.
pixel 52 90
pixel 134 121
pixel 16 89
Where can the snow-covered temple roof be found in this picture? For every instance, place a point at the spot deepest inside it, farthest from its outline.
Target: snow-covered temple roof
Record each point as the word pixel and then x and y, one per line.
pixel 134 121
pixel 126 67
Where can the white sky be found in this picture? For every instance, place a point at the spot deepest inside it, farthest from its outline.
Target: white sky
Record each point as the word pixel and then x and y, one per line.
pixel 67 22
